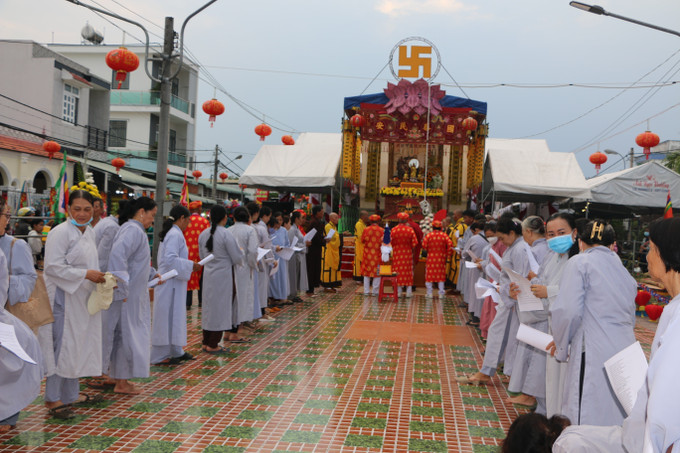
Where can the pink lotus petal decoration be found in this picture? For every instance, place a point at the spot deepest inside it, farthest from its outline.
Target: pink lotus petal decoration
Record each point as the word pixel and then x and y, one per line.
pixel 408 97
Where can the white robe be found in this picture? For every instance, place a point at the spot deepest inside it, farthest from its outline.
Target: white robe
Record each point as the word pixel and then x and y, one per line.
pixel 247 240
pixel 22 273
pixel 128 324
pixel 278 284
pixel 589 439
pixel 262 268
pixel 218 278
pixel 105 232
pixel 69 254
pixel 19 380
pixel 462 274
pixel 169 308
pixel 476 244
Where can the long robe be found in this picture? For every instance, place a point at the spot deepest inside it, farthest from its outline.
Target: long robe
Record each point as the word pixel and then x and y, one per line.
pixel 196 227
pixel 297 266
pixel 439 247
pixel 279 287
pixel 169 327
pixel 331 259
pixel 75 336
pixel 22 275
pixel 489 306
pixel 359 228
pixel 419 238
pixel 218 278
pixel 244 272
pixel 403 241
pixel 105 232
pixel 476 245
pixel 453 266
pixel 590 439
pixel 462 271
pixel 594 313
pixel 262 278
pixel 372 240
pixel 127 323
pixel 501 342
pixel 19 380
pixel 540 250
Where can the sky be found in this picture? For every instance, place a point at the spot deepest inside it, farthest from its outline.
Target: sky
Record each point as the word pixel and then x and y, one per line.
pixel 296 60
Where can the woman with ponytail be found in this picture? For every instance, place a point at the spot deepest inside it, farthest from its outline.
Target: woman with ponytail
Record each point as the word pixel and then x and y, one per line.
pixel 218 279
pixel 169 332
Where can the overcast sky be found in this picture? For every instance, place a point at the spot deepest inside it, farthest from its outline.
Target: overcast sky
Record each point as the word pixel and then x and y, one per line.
pixel 296 60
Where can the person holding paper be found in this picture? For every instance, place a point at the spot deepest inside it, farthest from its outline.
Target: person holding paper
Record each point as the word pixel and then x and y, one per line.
pixel 245 273
pixel 315 250
pixel 278 284
pixel 297 266
pixel 19 380
pixel 359 228
pixel 218 279
pixel 403 242
pixel 331 277
pixel 196 227
pixel 593 317
pixel 127 322
pixel 72 345
pixel 490 259
pixel 258 218
pixel 533 233
pixel 455 232
pixel 474 249
pixel 372 240
pixel 439 248
pixel 169 328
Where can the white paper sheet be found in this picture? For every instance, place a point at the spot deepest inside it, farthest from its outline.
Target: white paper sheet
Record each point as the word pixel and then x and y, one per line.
pixel 274 269
pixel 286 253
pixel 457 234
pixel 165 277
pixel 532 259
pixel 532 337
pixel 8 340
pixel 298 249
pixel 207 259
pixel 267 244
pixel 526 299
pixel 261 253
pixel 484 288
pixel 471 265
pixel 472 255
pixel 496 256
pixel 492 272
pixel 308 237
pixel 330 234
pixel 627 371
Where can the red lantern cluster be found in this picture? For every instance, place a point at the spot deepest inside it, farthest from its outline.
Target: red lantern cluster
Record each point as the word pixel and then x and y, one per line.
pixel 197 174
pixel 118 163
pixel 288 140
pixel 223 176
pixel 469 124
pixel 122 61
pixel 647 140
pixel 597 159
pixel 52 148
pixel 642 298
pixel 654 311
pixel 357 120
pixel 213 108
pixel 263 130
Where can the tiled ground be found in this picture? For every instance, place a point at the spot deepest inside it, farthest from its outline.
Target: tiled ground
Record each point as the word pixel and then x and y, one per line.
pixel 337 373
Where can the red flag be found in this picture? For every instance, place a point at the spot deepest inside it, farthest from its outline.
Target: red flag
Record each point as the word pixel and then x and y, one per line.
pixel 184 196
pixel 668 212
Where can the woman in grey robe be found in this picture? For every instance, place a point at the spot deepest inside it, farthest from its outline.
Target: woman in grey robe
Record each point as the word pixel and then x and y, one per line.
pixel 247 240
pixel 474 247
pixel 592 319
pixel 169 327
pixel 218 279
pixel 105 232
pixel 259 217
pixel 127 322
pixel 20 265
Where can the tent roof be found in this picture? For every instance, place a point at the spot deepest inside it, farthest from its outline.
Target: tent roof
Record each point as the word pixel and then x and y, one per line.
pixel 446 101
pixel 311 164
pixel 526 170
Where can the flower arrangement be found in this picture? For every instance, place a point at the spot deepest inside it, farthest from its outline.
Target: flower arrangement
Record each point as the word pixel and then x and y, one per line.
pixel 410 192
pixel 91 188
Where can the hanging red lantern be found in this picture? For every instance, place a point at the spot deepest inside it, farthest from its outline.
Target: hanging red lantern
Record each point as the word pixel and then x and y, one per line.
pixel 118 163
pixel 223 176
pixel 167 170
pixel 654 311
pixel 288 140
pixel 213 108
pixel 647 140
pixel 122 61
pixel 357 120
pixel 642 298
pixel 242 186
pixel 263 130
pixel 598 158
pixel 469 124
pixel 52 148
pixel 197 174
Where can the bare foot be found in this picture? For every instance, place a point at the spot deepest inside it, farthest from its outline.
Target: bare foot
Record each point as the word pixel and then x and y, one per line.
pixel 522 399
pixel 5 428
pixel 125 387
pixel 479 377
pixel 53 404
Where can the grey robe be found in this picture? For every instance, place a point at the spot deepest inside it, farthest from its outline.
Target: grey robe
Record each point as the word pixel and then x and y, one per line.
pixel 218 278
pixel 476 244
pixel 589 439
pixel 127 325
pixel 22 273
pixel 169 308
pixel 19 380
pixel 104 233
pixel 263 268
pixel 293 266
pixel 594 313
pixel 462 274
pixel 247 240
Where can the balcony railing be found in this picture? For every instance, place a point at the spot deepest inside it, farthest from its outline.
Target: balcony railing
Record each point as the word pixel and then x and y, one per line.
pixel 125 97
pixel 96 138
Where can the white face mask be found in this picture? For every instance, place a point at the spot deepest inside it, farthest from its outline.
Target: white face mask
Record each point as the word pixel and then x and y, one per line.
pixel 492 240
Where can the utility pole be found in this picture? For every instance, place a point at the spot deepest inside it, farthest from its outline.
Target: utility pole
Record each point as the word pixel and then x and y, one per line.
pixel 214 178
pixel 631 158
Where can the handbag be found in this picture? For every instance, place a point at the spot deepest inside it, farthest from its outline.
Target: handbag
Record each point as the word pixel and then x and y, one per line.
pixel 36 311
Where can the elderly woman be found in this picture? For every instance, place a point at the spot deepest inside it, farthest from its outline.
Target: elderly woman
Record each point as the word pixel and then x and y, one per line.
pixel 20 265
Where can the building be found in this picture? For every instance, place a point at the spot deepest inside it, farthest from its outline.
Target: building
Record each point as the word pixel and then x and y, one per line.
pixel 660 151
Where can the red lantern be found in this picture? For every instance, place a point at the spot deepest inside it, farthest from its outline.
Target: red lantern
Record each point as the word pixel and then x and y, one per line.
pixel 287 140
pixel 122 61
pixel 263 131
pixel 118 163
pixel 598 158
pixel 242 186
pixel 213 108
pixel 167 170
pixel 197 174
pixel 469 124
pixel 52 148
pixel 357 120
pixel 654 311
pixel 223 176
pixel 642 298
pixel 647 140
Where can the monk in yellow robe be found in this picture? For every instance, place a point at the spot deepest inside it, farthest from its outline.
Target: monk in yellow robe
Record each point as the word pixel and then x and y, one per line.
pixel 455 232
pixel 330 256
pixel 358 245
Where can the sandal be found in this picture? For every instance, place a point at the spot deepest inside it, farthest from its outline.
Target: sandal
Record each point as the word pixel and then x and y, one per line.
pixel 99 384
pixel 218 352
pixel 241 340
pixel 63 412
pixel 89 399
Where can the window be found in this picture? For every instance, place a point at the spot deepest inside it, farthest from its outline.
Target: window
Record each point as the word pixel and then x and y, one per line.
pixel 114 83
pixel 172 146
pixel 70 111
pixel 117 133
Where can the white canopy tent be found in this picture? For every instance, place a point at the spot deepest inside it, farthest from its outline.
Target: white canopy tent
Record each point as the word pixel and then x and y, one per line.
pixel 311 165
pixel 526 170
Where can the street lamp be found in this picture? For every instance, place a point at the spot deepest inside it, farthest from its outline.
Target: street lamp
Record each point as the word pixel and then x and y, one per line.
pixel 595 9
pixel 623 158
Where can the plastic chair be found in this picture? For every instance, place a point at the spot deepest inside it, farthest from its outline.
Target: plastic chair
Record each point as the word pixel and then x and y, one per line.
pixel 386 274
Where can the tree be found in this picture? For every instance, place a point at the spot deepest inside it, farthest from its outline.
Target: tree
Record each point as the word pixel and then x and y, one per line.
pixel 672 161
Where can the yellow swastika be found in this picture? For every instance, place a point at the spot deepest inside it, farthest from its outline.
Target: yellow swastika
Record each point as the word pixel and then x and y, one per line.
pixel 415 61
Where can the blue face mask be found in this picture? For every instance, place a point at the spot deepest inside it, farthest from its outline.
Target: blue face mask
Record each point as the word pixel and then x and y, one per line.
pixel 73 221
pixel 561 244
pixel 646 234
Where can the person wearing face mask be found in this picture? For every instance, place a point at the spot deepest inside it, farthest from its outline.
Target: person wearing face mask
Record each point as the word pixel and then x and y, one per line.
pixel 72 345
pixel 489 259
pixel 127 322
pixel 593 317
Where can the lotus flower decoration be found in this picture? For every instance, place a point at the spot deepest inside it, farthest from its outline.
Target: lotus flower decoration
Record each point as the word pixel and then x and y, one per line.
pixel 406 97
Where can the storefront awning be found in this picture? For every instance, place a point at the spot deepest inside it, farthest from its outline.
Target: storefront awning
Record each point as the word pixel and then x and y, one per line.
pixel 128 177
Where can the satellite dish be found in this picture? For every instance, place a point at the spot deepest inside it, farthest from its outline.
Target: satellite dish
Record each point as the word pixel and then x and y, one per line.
pixel 90 34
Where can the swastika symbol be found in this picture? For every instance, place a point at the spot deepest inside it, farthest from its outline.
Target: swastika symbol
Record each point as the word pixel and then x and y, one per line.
pixel 421 57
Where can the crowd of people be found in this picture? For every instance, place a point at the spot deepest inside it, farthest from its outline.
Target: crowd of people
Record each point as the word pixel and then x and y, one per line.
pixel 250 262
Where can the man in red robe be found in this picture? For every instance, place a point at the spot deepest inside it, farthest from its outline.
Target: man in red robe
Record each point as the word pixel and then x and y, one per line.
pixel 416 250
pixel 195 228
pixel 439 247
pixel 403 242
pixel 372 239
